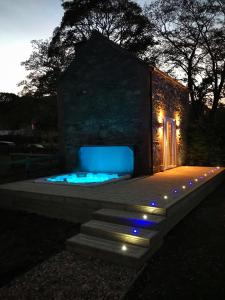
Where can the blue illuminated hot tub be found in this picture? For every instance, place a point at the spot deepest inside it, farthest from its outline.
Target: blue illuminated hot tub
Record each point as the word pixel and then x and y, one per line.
pixel 83 178
pixel 98 165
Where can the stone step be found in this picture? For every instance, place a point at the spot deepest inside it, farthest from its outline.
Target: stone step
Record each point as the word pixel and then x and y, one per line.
pixel 122 233
pixel 130 218
pixel 113 251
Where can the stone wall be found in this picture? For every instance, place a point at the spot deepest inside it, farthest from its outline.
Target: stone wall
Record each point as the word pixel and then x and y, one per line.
pixel 169 99
pixel 104 99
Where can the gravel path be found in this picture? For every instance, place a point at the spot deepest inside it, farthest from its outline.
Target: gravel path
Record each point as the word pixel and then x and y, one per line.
pixel 71 277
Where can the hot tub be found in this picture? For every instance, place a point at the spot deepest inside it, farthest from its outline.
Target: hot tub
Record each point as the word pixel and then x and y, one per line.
pixel 83 178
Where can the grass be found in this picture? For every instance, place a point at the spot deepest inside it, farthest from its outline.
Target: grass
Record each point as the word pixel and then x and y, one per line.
pixel 190 264
pixel 28 239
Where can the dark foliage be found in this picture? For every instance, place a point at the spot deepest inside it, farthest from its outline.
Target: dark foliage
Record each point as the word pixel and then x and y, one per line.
pixel 27 240
pixel 206 140
pixel 20 112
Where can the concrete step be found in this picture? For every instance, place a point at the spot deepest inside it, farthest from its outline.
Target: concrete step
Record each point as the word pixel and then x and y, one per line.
pixel 130 218
pixel 113 251
pixel 122 233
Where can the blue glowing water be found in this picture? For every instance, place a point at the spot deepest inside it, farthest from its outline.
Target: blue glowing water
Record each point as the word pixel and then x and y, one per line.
pixel 101 159
pixel 83 178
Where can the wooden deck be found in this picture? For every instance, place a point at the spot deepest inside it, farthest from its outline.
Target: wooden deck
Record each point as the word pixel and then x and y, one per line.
pixel 160 191
pixel 151 204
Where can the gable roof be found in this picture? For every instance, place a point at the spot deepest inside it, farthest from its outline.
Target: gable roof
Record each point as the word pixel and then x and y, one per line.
pixel 96 35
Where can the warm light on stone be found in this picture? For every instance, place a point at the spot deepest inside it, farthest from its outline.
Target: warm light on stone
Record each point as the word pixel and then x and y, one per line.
pixel 160 131
pixel 177 120
pixel 160 116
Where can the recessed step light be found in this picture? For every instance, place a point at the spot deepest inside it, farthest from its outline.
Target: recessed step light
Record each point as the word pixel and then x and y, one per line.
pixel 124 248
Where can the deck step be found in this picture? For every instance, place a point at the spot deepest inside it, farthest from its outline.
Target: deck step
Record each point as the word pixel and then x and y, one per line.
pixel 148 209
pixel 134 256
pixel 118 232
pixel 130 218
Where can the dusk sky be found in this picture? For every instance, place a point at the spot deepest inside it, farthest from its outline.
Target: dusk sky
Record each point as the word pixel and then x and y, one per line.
pixel 20 22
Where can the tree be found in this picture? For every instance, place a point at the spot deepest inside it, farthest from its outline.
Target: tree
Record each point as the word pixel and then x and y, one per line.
pixel 43 71
pixel 211 24
pixel 180 51
pixel 192 45
pixel 7 97
pixel 122 21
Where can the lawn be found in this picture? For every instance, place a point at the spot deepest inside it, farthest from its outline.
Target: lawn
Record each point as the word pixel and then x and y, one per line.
pixel 28 239
pixel 190 264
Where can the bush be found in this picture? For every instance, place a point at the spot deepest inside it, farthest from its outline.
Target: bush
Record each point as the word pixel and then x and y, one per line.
pixel 206 141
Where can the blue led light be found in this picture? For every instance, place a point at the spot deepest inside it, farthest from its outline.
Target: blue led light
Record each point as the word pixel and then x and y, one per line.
pixel 153 203
pixel 135 231
pixel 175 191
pixel 190 183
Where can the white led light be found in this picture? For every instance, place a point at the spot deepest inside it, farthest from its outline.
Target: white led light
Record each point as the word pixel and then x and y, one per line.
pixel 184 187
pixel 205 175
pixel 145 217
pixel 124 248
pixel 218 168
pixel 165 197
pixel 196 179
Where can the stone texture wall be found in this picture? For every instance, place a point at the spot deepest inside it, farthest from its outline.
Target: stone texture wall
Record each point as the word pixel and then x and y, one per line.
pixel 169 99
pixel 104 99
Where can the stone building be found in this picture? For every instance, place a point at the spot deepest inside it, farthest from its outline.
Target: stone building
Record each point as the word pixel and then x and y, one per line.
pixel 118 114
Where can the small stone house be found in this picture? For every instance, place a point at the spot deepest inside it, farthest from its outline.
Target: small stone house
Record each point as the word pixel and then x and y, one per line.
pixel 116 110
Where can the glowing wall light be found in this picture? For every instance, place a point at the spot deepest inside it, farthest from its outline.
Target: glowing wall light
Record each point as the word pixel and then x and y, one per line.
pixel 160 132
pixel 160 116
pixel 178 132
pixel 177 119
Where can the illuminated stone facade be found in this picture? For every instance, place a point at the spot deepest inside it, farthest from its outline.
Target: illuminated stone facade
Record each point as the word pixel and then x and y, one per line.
pixel 169 99
pixel 105 98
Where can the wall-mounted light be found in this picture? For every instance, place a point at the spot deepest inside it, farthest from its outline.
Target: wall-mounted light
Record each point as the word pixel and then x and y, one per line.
pixel 160 131
pixel 178 132
pixel 160 117
pixel 177 120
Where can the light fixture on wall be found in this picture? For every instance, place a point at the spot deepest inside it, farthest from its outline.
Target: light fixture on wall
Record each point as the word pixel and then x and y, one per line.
pixel 177 120
pixel 160 119
pixel 160 131
pixel 160 116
